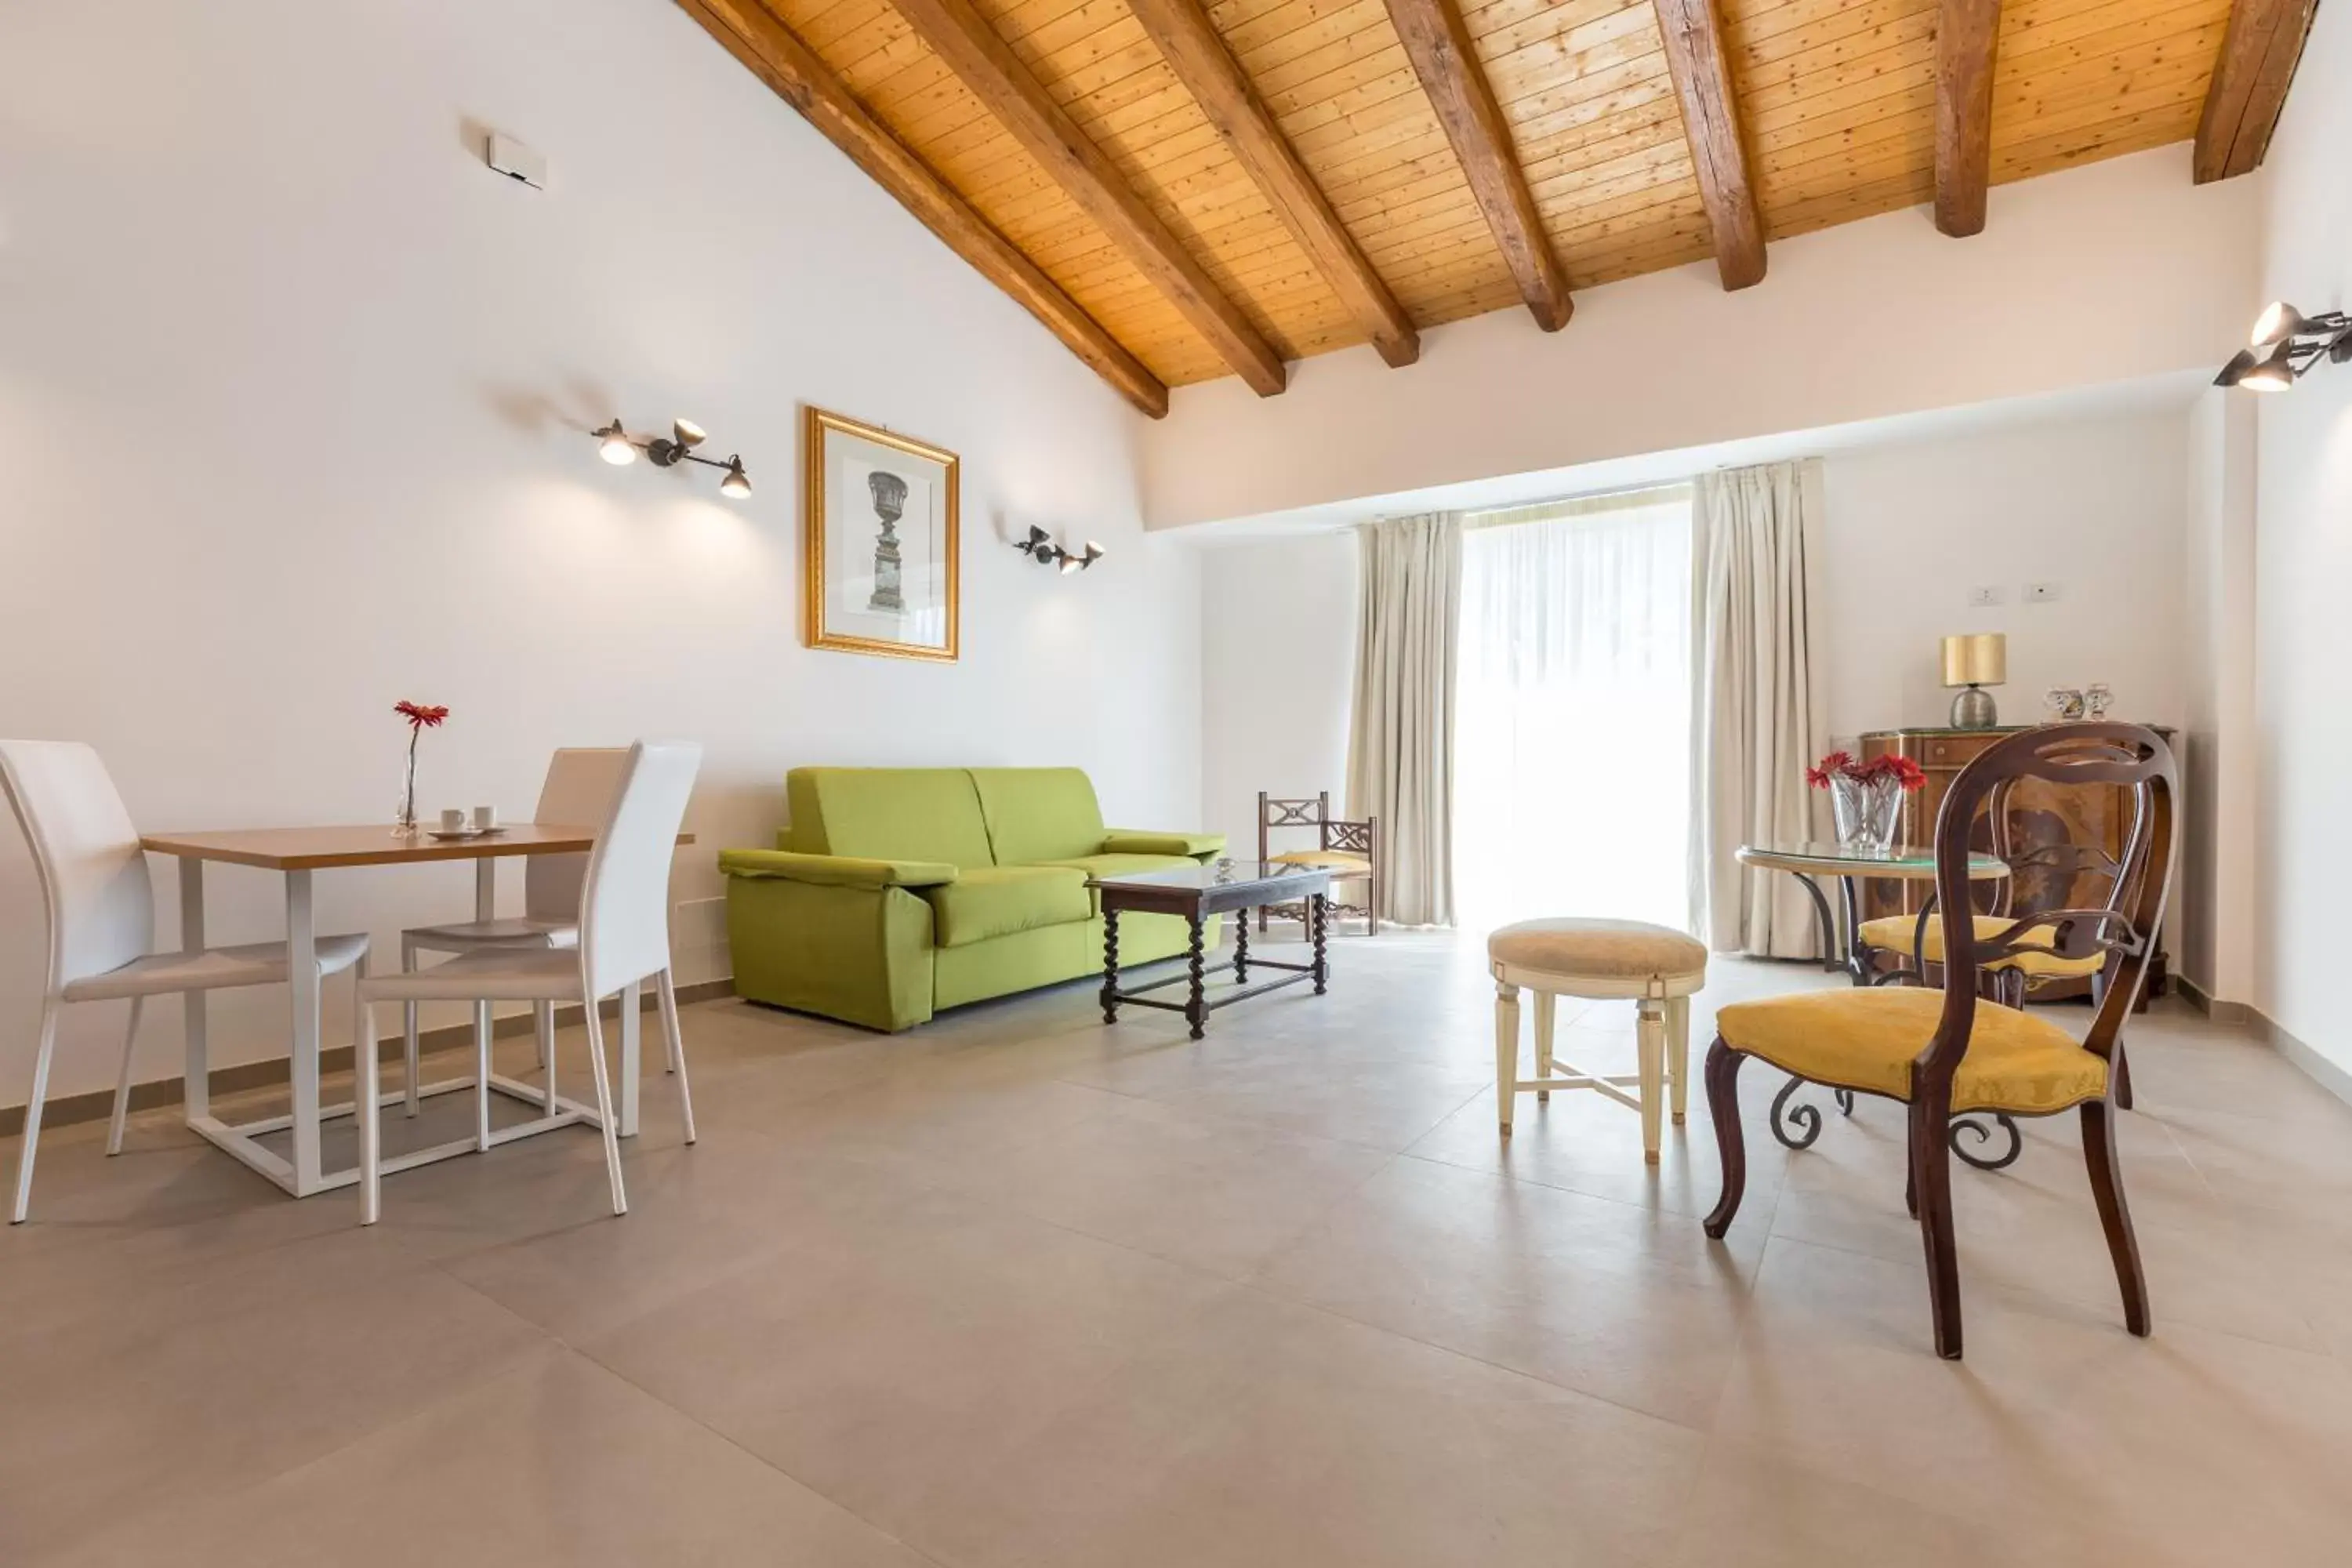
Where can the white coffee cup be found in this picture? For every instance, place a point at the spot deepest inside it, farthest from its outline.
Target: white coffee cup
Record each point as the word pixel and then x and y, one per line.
pixel 485 817
pixel 453 820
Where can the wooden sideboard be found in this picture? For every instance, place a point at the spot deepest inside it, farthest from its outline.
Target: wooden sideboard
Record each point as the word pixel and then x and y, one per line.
pixel 2045 813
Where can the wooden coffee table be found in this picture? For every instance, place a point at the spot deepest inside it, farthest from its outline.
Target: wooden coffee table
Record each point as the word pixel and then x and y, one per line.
pixel 1196 892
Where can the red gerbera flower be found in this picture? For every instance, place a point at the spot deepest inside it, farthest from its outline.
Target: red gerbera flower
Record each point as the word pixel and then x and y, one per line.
pixel 421 715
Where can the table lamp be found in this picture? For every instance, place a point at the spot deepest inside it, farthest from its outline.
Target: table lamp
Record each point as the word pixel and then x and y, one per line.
pixel 1972 663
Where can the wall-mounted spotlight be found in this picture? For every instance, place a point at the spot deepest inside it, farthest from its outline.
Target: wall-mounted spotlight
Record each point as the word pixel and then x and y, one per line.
pixel 2285 343
pixel 1040 547
pixel 617 446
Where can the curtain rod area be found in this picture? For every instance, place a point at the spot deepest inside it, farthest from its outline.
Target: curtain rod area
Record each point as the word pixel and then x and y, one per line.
pixel 1569 505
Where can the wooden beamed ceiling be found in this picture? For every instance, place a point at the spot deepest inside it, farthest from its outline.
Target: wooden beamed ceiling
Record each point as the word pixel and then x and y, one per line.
pixel 1186 189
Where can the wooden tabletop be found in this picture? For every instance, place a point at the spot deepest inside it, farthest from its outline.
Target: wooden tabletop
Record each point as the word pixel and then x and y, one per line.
pixel 317 848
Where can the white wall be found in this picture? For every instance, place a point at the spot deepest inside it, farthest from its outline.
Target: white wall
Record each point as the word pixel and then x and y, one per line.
pixel 291 396
pixel 2096 502
pixel 2095 505
pixel 1279 669
pixel 2303 564
pixel 2114 271
pixel 2215 893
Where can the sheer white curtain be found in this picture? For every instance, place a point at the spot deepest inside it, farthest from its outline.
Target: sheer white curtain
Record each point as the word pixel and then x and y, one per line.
pixel 1573 748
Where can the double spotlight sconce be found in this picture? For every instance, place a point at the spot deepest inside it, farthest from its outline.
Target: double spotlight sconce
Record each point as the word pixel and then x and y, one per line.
pixel 1040 547
pixel 618 447
pixel 2286 342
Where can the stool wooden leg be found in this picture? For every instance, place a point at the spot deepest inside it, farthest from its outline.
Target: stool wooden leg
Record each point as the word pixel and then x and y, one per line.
pixel 1506 1052
pixel 1544 1000
pixel 1649 1032
pixel 1678 1053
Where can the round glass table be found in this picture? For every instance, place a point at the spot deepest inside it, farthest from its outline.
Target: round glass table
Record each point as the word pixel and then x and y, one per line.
pixel 1798 1126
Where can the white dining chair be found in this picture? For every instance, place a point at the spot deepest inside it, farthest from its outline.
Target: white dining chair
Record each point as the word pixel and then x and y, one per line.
pixel 102 915
pixel 583 782
pixel 623 941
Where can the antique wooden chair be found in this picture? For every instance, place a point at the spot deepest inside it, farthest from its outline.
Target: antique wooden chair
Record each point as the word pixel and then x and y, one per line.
pixel 1347 847
pixel 1956 1049
pixel 2042 875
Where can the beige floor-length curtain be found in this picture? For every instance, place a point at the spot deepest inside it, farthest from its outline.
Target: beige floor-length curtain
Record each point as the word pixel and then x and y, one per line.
pixel 1401 736
pixel 1759 703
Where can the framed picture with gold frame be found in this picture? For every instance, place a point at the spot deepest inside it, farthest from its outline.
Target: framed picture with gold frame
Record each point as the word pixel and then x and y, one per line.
pixel 882 531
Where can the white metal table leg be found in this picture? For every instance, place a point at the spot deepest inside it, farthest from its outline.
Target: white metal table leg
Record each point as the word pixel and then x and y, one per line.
pixel 485 908
pixel 302 976
pixel 409 1048
pixel 195 1092
pixel 633 1003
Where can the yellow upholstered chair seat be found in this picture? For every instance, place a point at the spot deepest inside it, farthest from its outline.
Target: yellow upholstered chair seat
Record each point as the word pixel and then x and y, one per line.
pixel 1596 949
pixel 1866 1039
pixel 1337 859
pixel 1893 933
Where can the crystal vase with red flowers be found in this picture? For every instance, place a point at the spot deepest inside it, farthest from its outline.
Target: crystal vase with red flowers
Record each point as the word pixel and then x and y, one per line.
pixel 1865 798
pixel 421 717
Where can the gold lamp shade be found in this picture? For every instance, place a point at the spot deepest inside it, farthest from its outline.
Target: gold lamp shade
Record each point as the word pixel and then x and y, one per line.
pixel 1980 659
pixel 1973 662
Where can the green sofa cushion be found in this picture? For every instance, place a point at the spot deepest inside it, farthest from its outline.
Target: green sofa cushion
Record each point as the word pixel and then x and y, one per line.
pixel 835 870
pixel 1133 841
pixel 887 814
pixel 998 901
pixel 1121 865
pixel 1038 814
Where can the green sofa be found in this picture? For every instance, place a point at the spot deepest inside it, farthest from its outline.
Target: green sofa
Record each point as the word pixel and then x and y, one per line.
pixel 898 891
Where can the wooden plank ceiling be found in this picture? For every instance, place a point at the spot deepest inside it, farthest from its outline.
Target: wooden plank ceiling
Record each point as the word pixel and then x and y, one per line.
pixel 1343 172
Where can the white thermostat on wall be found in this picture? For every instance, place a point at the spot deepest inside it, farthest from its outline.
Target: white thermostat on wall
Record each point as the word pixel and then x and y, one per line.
pixel 517 162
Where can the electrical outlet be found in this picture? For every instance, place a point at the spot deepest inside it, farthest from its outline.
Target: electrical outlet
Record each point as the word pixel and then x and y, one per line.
pixel 515 162
pixel 2044 593
pixel 1989 594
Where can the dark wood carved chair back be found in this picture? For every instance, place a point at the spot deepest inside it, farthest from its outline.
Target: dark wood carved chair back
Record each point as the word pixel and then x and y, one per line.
pixel 2124 928
pixel 1332 835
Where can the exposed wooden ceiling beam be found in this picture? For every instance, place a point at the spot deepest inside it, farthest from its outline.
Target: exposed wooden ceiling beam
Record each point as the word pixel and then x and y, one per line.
pixel 1966 34
pixel 1439 46
pixel 987 66
pixel 1701 75
pixel 2250 81
pixel 756 38
pixel 1196 52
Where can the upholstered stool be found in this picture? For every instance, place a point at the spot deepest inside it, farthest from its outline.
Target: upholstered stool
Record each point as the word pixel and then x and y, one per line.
pixel 1654 966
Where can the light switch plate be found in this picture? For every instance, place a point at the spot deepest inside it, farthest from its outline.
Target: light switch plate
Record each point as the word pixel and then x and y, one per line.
pixel 2044 593
pixel 517 162
pixel 1989 594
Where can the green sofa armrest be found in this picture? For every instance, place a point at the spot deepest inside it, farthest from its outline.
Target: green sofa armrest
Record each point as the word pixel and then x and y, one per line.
pixel 1130 841
pixel 833 871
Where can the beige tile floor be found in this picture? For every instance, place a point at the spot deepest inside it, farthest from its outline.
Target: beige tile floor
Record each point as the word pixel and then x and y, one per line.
pixel 1021 1289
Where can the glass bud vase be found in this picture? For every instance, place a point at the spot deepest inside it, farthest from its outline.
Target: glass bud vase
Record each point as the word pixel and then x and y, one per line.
pixel 1865 811
pixel 404 820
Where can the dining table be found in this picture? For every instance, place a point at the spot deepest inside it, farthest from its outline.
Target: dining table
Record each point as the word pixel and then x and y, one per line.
pixel 295 854
pixel 1812 862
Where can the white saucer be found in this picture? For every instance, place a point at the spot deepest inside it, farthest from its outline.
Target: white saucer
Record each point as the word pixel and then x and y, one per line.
pixel 451 835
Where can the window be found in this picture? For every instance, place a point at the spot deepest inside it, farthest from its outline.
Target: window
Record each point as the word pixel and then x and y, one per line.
pixel 1572 739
